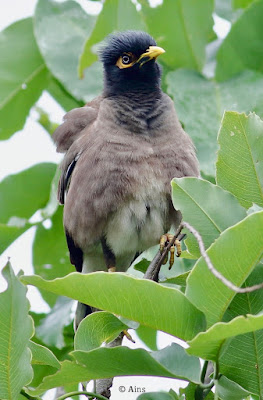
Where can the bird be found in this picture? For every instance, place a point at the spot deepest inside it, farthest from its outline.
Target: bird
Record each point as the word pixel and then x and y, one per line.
pixel 122 149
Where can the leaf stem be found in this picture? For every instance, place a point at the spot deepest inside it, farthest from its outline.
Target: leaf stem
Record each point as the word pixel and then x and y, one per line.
pixel 27 396
pixel 76 393
pixel 204 369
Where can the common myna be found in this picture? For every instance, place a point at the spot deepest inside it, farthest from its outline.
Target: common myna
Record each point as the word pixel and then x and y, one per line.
pixel 122 151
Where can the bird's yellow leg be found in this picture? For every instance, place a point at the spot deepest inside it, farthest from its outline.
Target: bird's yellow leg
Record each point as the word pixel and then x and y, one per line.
pixel 178 247
pixel 128 336
pixel 164 241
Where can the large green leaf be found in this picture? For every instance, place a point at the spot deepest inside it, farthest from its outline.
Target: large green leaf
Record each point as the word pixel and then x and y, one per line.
pixel 8 234
pixel 240 158
pixel 23 75
pixel 50 253
pixel 116 15
pixel 208 344
pixel 182 28
pixel 200 203
pixel 40 371
pixel 229 390
pixel 61 30
pixel 148 336
pixel 16 328
pixel 241 3
pixel 97 328
pixel 136 299
pixel 22 194
pixel 200 104
pixel 232 58
pixel 172 362
pixel 234 254
pixel 241 357
pixel 42 355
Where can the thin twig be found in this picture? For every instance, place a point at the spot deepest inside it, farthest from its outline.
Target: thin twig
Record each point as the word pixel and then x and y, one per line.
pixel 77 393
pixel 154 267
pixel 214 271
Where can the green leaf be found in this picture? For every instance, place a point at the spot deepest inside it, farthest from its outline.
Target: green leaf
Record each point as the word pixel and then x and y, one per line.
pixel 61 30
pixel 155 396
pixel 229 390
pixel 50 253
pixel 113 17
pixel 182 28
pixel 40 372
pixel 241 3
pixel 22 194
pixel 97 328
pixel 240 158
pixel 223 9
pixel 208 345
pixel 201 103
pixel 16 328
pixel 50 329
pixel 235 262
pixel 23 76
pixel 233 58
pixel 175 359
pixel 8 234
pixel 241 356
pixel 148 336
pixel 179 280
pixel 101 363
pixel 194 392
pixel 42 355
pixel 200 204
pixel 137 299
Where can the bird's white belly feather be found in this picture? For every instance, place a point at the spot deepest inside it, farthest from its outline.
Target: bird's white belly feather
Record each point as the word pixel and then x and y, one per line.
pixel 139 222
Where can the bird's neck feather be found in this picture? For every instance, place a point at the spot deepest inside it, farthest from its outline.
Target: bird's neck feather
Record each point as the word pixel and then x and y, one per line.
pixel 137 111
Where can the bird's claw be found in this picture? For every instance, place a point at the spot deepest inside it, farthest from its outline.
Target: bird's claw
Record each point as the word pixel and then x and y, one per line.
pixel 164 241
pixel 128 336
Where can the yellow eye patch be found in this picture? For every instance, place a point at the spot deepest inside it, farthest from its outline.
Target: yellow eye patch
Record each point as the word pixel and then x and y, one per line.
pixel 126 60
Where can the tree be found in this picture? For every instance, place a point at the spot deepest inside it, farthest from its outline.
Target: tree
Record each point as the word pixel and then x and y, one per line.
pixel 216 85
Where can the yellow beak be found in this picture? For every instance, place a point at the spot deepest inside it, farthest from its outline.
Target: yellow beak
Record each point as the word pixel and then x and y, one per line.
pixel 152 53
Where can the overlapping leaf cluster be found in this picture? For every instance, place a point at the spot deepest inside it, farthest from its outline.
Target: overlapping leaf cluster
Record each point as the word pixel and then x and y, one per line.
pixel 205 76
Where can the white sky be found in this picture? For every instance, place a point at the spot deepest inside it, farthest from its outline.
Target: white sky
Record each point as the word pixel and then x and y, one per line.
pixel 33 145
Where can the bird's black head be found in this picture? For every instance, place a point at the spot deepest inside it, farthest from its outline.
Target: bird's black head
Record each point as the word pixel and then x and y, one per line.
pixel 129 63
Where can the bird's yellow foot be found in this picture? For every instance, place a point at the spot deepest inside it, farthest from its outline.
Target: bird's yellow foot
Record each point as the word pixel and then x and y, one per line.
pixel 128 336
pixel 111 269
pixel 164 241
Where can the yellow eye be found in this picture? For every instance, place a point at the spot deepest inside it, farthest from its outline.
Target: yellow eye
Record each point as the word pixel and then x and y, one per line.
pixel 126 60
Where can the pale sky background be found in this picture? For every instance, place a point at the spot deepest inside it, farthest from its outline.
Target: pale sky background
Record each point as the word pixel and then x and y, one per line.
pixel 33 145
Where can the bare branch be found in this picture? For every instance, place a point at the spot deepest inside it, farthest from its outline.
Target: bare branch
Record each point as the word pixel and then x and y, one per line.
pixel 214 271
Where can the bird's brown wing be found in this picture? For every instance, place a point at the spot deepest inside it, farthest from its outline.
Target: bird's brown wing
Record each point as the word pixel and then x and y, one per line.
pixel 75 121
